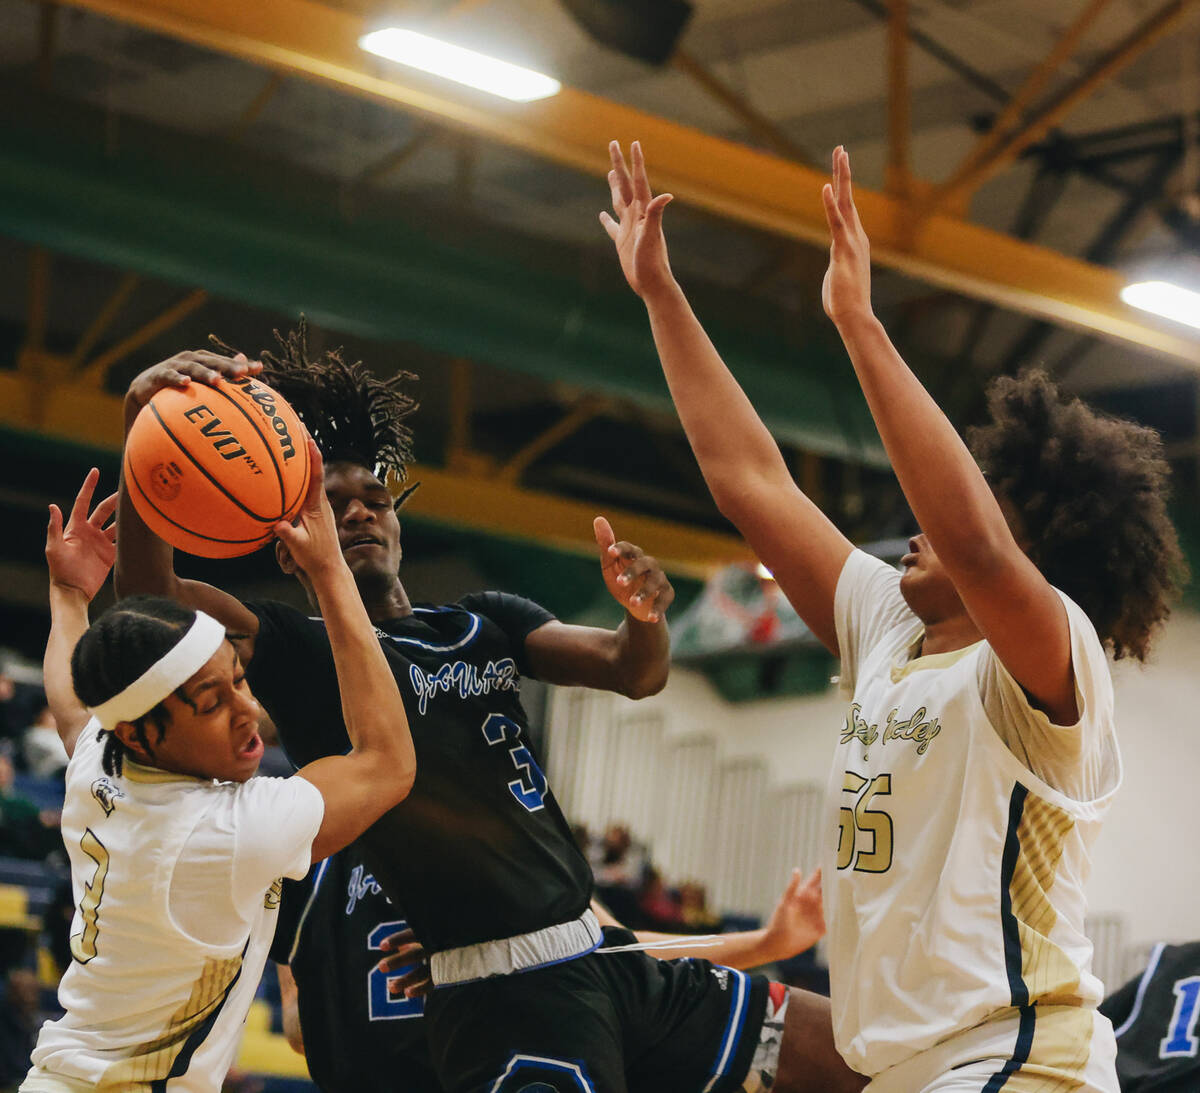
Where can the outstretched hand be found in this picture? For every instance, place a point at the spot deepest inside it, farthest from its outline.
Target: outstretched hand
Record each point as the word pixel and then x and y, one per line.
pixel 846 292
pixel 180 370
pixel 312 541
pixel 637 231
pixel 798 921
pixel 81 555
pixel 635 580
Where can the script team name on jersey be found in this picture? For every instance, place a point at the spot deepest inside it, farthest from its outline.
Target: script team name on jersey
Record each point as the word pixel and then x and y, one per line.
pixel 464 679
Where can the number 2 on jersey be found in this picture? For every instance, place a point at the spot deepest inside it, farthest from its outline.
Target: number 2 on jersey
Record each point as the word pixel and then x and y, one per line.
pixel 380 1004
pixel 530 788
pixel 861 820
pixel 83 945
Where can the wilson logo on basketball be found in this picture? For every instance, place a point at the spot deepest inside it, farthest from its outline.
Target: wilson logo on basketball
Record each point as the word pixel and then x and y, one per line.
pixel 165 481
pixel 264 398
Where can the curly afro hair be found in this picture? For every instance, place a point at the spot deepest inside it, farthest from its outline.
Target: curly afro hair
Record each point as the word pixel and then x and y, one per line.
pixel 1090 492
pixel 353 416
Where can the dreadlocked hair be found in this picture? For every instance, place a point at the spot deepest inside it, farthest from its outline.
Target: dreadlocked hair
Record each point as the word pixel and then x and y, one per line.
pixel 354 416
pixel 1090 491
pixel 118 648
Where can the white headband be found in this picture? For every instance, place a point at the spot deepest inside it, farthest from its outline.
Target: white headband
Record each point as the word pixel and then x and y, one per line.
pixel 171 671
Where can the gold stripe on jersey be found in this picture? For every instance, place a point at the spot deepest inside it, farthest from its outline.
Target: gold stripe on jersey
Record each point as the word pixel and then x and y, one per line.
pixel 152 1061
pixel 139 772
pixel 1049 974
pixel 1062 1039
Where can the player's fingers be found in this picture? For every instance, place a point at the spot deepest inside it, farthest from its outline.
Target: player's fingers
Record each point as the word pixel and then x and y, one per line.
pixel 619 203
pixel 403 956
pixel 54 528
pixel 641 182
pixel 412 981
pixel 83 499
pixel 103 511
pixel 634 568
pixel 316 478
pixel 110 533
pixel 400 937
pixel 832 216
pixel 609 225
pixel 605 538
pixel 624 182
pixel 655 210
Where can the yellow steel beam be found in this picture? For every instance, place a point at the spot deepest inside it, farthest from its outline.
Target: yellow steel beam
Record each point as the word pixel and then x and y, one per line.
pixel 1023 98
pixel 104 317
pixel 980 168
pixel 255 107
pixel 571 422
pixel 93 373
pixel 37 305
pixel 753 187
pixel 473 501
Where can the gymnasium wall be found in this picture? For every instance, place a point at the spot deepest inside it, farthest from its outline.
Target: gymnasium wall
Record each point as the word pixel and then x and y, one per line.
pixel 727 794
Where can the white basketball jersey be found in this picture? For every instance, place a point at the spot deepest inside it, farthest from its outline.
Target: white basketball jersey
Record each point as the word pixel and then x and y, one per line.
pixel 148 1006
pixel 954 882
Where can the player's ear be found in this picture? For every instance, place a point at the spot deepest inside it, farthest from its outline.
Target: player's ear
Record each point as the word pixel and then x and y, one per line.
pixel 126 732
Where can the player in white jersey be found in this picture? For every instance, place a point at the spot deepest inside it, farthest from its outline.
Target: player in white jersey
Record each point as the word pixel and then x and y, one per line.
pixel 177 852
pixel 977 756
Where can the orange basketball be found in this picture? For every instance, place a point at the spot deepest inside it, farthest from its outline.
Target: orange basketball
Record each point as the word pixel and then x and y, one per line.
pixel 212 470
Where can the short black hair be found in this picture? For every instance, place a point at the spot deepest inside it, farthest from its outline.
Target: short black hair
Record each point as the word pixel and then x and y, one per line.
pixel 353 416
pixel 1091 493
pixel 118 648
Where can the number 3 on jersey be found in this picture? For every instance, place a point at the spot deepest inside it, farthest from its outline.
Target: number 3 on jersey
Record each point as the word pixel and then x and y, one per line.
pixel 530 788
pixel 83 945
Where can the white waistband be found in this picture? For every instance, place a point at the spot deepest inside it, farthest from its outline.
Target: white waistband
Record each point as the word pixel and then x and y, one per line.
pixel 522 953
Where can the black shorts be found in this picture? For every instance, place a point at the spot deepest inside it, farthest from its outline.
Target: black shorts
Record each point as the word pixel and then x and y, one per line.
pixel 617 1023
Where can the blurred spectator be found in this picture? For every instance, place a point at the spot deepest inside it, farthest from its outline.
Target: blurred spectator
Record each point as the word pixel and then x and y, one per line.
pixel 44 753
pixel 622 861
pixel 18 703
pixel 19 1021
pixel 25 830
pixel 693 908
pixel 659 905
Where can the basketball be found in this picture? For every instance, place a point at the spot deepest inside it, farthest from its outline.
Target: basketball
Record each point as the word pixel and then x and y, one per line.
pixel 213 469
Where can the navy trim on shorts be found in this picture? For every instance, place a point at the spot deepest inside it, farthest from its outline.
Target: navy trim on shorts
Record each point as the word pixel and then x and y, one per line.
pixel 733 1029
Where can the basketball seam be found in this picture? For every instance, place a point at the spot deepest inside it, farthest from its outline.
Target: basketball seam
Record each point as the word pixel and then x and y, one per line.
pixel 208 538
pixel 196 463
pixel 266 444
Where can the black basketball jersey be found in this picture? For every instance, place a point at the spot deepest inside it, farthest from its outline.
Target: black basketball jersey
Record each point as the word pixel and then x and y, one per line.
pixel 356 1036
pixel 480 849
pixel 1155 1020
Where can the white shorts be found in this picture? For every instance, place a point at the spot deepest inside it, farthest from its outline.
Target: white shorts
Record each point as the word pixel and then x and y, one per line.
pixel 39 1081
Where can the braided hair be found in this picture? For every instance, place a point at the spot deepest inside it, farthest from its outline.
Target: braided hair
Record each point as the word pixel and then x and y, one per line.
pixel 118 648
pixel 1090 491
pixel 353 416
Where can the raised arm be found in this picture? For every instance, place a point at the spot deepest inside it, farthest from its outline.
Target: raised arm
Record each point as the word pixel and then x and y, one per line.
pixel 79 558
pixel 1010 602
pixel 379 769
pixel 739 458
pixel 633 659
pixel 146 564
pixel 795 926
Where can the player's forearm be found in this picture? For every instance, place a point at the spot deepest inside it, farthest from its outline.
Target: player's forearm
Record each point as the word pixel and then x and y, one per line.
pixel 643 659
pixel 371 706
pixel 944 487
pixel 741 950
pixel 68 622
pixel 730 442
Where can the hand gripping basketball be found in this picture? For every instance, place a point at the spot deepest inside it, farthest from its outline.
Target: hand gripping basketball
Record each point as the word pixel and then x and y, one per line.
pixel 180 370
pixel 312 540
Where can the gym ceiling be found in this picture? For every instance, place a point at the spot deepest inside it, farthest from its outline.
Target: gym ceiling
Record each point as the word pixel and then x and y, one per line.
pixel 172 168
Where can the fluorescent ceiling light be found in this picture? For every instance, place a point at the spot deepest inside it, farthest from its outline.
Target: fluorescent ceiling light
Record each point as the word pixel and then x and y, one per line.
pixel 1165 299
pixel 763 572
pixel 464 66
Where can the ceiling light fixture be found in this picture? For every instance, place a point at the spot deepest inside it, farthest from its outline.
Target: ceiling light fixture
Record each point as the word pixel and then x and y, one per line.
pixel 764 574
pixel 1165 299
pixel 464 66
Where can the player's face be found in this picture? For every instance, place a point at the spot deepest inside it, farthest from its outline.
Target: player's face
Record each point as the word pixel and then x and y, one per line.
pixel 213 731
pixel 366 521
pixel 925 585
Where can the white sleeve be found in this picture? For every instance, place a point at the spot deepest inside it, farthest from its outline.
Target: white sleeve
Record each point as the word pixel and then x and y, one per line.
pixel 1081 760
pixel 866 605
pixel 276 820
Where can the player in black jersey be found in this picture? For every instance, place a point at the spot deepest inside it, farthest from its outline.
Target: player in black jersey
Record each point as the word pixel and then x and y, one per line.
pixel 1155 1018
pixel 336 924
pixel 480 855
